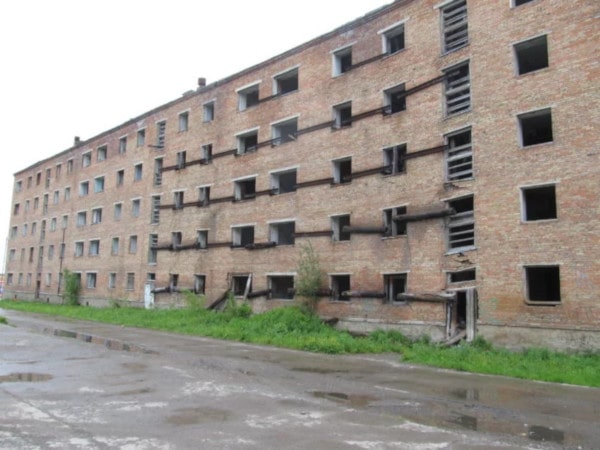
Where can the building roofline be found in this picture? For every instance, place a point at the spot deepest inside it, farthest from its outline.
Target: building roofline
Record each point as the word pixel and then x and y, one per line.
pixel 366 18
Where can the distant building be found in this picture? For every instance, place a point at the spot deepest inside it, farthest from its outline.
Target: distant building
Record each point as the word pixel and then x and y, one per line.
pixel 441 157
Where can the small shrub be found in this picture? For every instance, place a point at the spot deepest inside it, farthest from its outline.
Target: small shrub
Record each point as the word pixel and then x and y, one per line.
pixel 309 277
pixel 481 344
pixel 72 288
pixel 3 320
pixel 232 309
pixel 194 302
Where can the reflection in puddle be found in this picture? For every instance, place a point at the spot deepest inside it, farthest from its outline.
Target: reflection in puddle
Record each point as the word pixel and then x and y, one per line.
pixel 539 433
pixel 466 394
pixel 16 377
pixel 350 399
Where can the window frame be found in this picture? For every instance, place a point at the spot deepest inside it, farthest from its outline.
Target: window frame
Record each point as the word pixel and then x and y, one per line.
pixel 238 237
pixel 449 47
pixel 339 65
pixel 275 231
pixel 284 76
pixel 524 202
pixel 390 33
pixel 531 115
pixel 208 111
pixel 527 285
pixel 243 94
pixel 527 44
pixel 459 156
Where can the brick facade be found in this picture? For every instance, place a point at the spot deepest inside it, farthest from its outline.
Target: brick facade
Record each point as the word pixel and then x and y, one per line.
pixel 492 141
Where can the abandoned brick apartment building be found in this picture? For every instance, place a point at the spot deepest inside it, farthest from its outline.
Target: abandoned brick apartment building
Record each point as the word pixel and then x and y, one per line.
pixel 440 157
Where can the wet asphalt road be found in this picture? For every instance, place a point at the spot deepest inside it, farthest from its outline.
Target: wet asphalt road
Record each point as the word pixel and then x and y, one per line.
pixel 79 385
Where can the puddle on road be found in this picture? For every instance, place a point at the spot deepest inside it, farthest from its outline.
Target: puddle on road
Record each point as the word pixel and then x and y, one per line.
pixel 193 416
pixel 356 400
pixel 27 377
pixel 136 367
pixel 464 421
pixel 465 394
pixel 544 434
pixel 319 370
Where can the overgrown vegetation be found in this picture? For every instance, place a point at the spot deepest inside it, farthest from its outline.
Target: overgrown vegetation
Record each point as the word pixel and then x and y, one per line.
pixel 309 277
pixel 294 327
pixel 72 288
pixel 3 320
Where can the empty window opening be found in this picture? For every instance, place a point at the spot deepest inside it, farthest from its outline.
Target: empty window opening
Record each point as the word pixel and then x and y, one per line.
pixel 91 280
pixel 101 153
pixel 531 55
pixel 176 239
pixel 202 238
pixel 81 218
pixel 536 127
pixel 204 195
pixel 122 145
pixel 248 97
pixel 183 121
pixel 133 244
pixel 56 197
pixel 130 286
pixel 120 177
pixel 207 150
pixel 178 199
pixel 339 285
pixel 79 248
pixel 394 160
pixel 112 280
pixel 394 228
pixel 394 284
pixel 158 166
pixel 342 170
pixel 155 211
pixel 94 249
pixel 137 172
pixel 136 207
pixel 342 61
pixel 395 99
pixel 173 280
pixel 45 204
pixel 282 287
pixel 342 115
pixel 141 138
pixel 245 189
pixel 152 250
pixel 539 203
pixel 393 40
pixel 337 224
pixel 48 177
pixel 461 225
pixel 96 216
pixel 118 211
pixel 99 184
pixel 282 233
pixel 239 284
pixel 247 142
pixel 543 283
pixel 283 182
pixel 455 29
pixel 161 128
pixel 459 156
pixel 286 82
pixel 199 284
pixel 84 188
pixel 461 276
pixel 457 89
pixel 114 247
pixel 242 235
pixel 86 160
pixel 285 131
pixel 208 111
pixel 521 2
pixel 181 158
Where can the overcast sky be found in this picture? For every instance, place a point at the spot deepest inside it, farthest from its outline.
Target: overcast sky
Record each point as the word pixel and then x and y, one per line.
pixel 77 68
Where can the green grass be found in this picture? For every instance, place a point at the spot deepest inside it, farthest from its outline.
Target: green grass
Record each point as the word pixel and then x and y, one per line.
pixel 294 328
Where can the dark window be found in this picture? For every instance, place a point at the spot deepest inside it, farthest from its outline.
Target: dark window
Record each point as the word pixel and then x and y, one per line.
pixel 287 82
pixel 455 27
pixel 161 128
pixel 539 203
pixel 521 2
pixel 283 182
pixel 239 284
pixel 462 275
pixel 394 284
pixel 245 189
pixel 248 97
pixel 532 55
pixel 394 40
pixel 338 223
pixel 342 171
pixel 285 132
pixel 199 284
pixel 394 228
pixel 243 236
pixel 342 115
pixel 536 127
pixel 339 285
pixel 461 225
pixel 543 283
pixel 247 142
pixel 342 61
pixel 282 287
pixel 283 233
pixel 394 160
pixel 459 156
pixel 395 99
pixel 458 89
